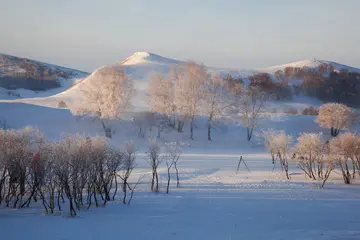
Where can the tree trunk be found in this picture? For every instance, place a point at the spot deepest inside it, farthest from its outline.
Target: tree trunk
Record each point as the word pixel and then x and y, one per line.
pixel 177 175
pixel 152 181
pixel 192 129
pixel 168 182
pixel 157 182
pixel 249 133
pixel 159 131
pixel 116 188
pixel 106 129
pixel 209 132
pixel 180 126
pixel 209 127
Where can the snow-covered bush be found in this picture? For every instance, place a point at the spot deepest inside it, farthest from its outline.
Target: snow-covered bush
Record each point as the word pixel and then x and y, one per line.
pixel 309 153
pixel 345 148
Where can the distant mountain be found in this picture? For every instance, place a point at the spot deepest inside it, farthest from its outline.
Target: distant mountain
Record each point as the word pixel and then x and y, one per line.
pixel 22 73
pixel 141 65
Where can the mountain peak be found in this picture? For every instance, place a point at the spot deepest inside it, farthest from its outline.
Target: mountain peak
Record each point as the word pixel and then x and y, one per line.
pixel 147 57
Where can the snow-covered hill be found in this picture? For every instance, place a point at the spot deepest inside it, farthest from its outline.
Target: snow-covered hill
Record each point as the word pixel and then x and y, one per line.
pixel 141 65
pixel 25 78
pixel 311 64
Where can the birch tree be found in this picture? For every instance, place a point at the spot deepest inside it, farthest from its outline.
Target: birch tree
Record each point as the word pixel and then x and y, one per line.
pixel 249 107
pixel 215 101
pixel 162 95
pixel 189 91
pixel 106 94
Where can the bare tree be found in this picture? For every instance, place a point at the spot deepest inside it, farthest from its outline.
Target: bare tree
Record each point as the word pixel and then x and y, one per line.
pixel 143 121
pixel 162 95
pixel 153 156
pixel 215 100
pixel 169 163
pixel 336 117
pixel 189 91
pixel 174 151
pixel 249 107
pixel 106 94
pixel 127 167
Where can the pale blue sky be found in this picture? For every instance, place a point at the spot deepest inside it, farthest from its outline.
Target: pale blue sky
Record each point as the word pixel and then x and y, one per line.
pixel 87 34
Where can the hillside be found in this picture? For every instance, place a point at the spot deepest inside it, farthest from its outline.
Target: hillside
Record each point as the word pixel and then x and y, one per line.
pixel 141 65
pixel 22 77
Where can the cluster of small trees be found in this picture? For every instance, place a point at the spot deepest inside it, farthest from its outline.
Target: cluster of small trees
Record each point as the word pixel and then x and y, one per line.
pixel 314 156
pixel 75 171
pixel 189 91
pixel 171 157
pixel 77 168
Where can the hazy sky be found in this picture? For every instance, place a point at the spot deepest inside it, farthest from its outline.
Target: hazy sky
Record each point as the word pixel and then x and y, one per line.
pixel 87 34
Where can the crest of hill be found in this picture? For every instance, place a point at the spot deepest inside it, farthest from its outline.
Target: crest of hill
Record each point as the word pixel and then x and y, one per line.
pixel 311 64
pixel 147 57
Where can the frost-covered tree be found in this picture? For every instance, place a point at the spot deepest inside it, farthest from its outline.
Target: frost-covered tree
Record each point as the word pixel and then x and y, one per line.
pixel 269 136
pixel 106 94
pixel 189 91
pixel 335 116
pixel 162 95
pixel 249 107
pixel 309 152
pixel 215 101
pixel 279 144
pixel 343 149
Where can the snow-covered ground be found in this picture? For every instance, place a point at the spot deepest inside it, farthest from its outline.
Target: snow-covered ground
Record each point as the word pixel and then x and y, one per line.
pixel 213 202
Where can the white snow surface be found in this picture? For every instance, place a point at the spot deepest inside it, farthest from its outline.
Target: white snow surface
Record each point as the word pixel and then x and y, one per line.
pixel 213 201
pixel 310 64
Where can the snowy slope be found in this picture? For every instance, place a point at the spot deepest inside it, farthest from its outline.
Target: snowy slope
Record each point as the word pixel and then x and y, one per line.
pixel 141 65
pixel 213 202
pixel 311 64
pixel 19 70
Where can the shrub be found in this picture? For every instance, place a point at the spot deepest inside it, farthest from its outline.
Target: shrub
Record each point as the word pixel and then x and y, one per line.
pixel 310 111
pixel 292 111
pixel 62 104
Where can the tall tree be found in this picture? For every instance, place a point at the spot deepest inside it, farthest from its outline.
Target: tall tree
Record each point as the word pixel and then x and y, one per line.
pixel 161 90
pixel 249 107
pixel 189 91
pixel 106 94
pixel 215 101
